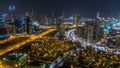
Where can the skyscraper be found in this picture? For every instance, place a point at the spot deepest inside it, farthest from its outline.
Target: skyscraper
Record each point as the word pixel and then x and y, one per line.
pixel 12 10
pixel 96 30
pixel 61 29
pixel 12 16
pixel 27 25
pixel 98 15
pixel 88 31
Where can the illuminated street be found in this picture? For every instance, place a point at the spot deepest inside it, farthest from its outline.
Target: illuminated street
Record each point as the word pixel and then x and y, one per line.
pixel 84 43
pixel 59 34
pixel 32 38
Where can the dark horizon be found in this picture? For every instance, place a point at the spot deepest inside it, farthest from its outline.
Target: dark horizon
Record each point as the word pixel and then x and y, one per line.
pixel 86 8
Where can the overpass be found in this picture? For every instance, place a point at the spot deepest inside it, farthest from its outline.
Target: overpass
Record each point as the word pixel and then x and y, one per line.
pixel 32 38
pixel 47 27
pixel 67 25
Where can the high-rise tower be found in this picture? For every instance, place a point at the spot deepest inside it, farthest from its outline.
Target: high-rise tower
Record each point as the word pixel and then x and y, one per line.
pixel 12 15
pixel 27 25
pixel 98 15
pixel 12 10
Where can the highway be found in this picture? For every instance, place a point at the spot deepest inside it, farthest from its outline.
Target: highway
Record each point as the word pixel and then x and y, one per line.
pixel 70 34
pixel 32 38
pixel 10 38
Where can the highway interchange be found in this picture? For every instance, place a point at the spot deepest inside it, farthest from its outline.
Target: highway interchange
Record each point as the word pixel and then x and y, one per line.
pixel 32 38
pixel 70 34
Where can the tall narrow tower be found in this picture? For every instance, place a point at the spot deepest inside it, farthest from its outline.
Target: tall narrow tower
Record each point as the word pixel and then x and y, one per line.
pixel 12 11
pixel 75 17
pixel 27 25
pixel 12 15
pixel 98 15
pixel 63 15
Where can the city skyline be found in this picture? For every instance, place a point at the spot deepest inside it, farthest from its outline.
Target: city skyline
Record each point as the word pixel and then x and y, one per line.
pixel 86 8
pixel 59 34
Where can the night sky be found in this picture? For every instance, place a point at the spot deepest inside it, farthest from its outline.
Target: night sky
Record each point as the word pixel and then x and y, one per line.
pixel 86 8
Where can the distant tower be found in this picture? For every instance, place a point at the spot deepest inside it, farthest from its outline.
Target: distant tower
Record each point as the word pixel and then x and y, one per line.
pixel 32 13
pixel 63 15
pixel 98 15
pixel 46 20
pixel 12 8
pixel 12 15
pixel 27 25
pixel 12 11
pixel 75 18
pixel 61 29
pixel 119 17
pixel 109 14
pixel 96 28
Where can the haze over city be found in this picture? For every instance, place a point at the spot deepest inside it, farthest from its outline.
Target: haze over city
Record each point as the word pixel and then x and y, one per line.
pixel 86 8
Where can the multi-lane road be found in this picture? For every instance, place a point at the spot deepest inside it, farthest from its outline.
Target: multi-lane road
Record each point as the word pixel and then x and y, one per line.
pixel 32 38
pixel 70 34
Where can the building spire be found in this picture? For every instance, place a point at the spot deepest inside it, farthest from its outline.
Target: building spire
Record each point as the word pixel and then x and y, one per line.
pixel 12 6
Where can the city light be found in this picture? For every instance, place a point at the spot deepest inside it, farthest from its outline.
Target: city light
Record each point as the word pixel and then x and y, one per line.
pixel 59 34
pixel 108 27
